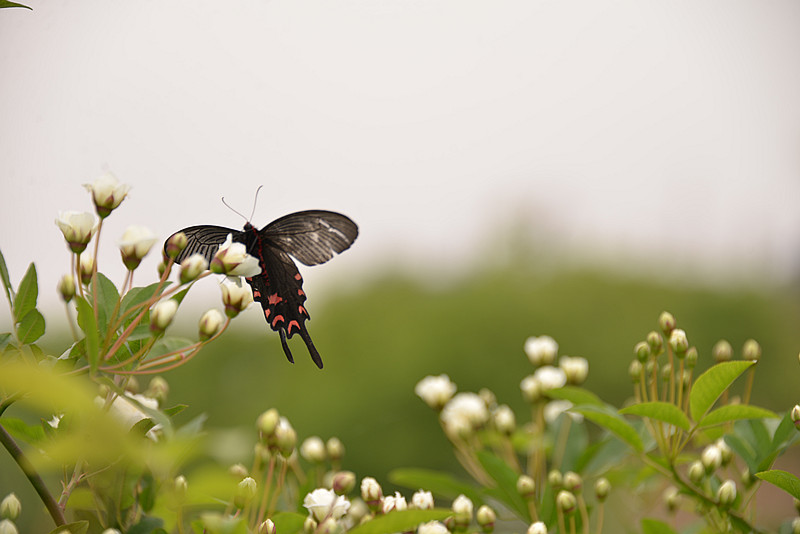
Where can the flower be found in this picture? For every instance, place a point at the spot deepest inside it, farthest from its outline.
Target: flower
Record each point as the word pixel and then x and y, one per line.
pixel 232 259
pixel 285 437
pixel 504 419
pixel 575 368
pixel 726 493
pixel 678 341
pixel 107 194
pixel 77 227
pixel 550 377
pixel 245 491
pixel 465 411
pixel 541 350
pixel 462 510
pixel 537 528
pixel 436 391
pixel 394 502
pixel 66 287
pixel 555 408
pixel 432 527
pixel 162 313
pixel 313 449
pixel 371 491
pixel 322 503
pixel 10 507
pixel 422 500
pixel 192 267
pixel 136 242
pixel 210 323
pixel 236 297
pixel 8 527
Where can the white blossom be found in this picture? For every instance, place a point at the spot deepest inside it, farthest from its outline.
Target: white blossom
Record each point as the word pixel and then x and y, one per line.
pixel 436 391
pixel 465 410
pixel 432 527
pixel 422 500
pixel 541 350
pixel 394 502
pixel 77 227
pixel 575 368
pixel 313 449
pixel 322 503
pixel 232 259
pixel 107 193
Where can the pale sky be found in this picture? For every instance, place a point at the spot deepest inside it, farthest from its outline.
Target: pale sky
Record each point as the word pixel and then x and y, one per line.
pixel 626 130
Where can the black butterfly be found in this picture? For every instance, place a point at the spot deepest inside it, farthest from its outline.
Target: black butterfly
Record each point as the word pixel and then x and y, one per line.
pixel 312 237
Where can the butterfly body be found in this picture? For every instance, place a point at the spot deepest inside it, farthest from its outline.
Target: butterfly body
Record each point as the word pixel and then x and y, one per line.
pixel 312 237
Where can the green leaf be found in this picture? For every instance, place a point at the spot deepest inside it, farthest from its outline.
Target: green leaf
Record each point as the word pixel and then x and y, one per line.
pixel 288 522
pixel 437 482
pixel 613 422
pixel 506 479
pixel 7 3
pixel 28 292
pixel 147 525
pixel 142 427
pixel 784 480
pixel 136 296
pixel 107 299
pixel 5 278
pixel 575 395
pixel 5 339
pixel 400 521
pixel 659 411
pixel 654 526
pixel 735 412
pixel 710 385
pixel 88 324
pixel 78 527
pixel 175 410
pixel 31 327
pixel 22 431
pixel 784 431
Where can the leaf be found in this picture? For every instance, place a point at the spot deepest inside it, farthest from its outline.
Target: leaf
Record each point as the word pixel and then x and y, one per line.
pixel 575 395
pixel 654 526
pixel 710 385
pixel 785 431
pixel 5 338
pixel 784 480
pixel 22 431
pixel 147 525
pixel 27 294
pixel 31 327
pixel 175 410
pixel 136 296
pixel 734 412
pixel 7 3
pixel 506 479
pixel 107 299
pixel 400 521
pixel 288 522
pixel 78 527
pixel 88 324
pixel 5 278
pixel 659 411
pixel 613 422
pixel 437 482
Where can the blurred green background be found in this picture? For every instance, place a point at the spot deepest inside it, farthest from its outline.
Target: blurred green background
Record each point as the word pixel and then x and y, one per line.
pixel 380 339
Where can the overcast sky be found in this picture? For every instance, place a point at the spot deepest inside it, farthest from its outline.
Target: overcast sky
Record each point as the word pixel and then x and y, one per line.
pixel 627 129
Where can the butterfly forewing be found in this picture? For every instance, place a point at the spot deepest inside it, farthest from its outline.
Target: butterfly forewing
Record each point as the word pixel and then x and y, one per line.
pixel 205 240
pixel 314 236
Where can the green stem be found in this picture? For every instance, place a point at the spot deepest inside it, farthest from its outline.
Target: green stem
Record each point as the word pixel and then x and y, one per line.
pixel 36 481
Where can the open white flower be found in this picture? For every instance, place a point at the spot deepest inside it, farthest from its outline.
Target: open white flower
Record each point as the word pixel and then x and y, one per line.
pixel 394 502
pixel 235 296
pixel 77 227
pixel 436 391
pixel 232 259
pixel 136 242
pixel 107 193
pixel 322 503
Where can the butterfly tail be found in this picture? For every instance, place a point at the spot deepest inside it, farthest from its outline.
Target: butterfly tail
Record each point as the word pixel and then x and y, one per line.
pixel 285 345
pixel 311 348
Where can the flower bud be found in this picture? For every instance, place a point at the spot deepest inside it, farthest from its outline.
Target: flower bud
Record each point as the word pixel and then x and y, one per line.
pixel 180 487
pixel 555 479
pixel 86 268
pixel 136 242
pixel 371 493
pixel 751 350
pixel 566 501
pixel 576 369
pixel 726 493
pixel 666 372
pixel 329 526
pixel 78 229
pixel 722 351
pixel 725 451
pixel 541 350
pixel 110 531
pixel 433 527
pixel 107 194
pixel 488 396
pixel 711 458
pixel 531 389
pixel 696 471
pixel 267 527
pixel 313 449
pixel 335 449
pixel 678 342
pixel 462 511
pixel 655 342
pixel 504 420
pixel 691 357
pixel 602 487
pixel 235 297
pixel 344 482
pixel 8 527
pixel 245 492
pixel 795 415
pixel 158 389
pixel 10 507
pixel 232 259
pixel 537 528
pixel 238 471
pixel 635 370
pixel 309 525
pixel 642 351
pixel 526 487
pixel 486 518
pixel 666 322
pixel 210 323
pixel 192 267
pixel 161 315
pixel 285 437
pixel 422 500
pixel 572 482
pixel 436 391
pixel 672 498
pixel 394 502
pixel 66 287
pixel 175 244
pixel 267 422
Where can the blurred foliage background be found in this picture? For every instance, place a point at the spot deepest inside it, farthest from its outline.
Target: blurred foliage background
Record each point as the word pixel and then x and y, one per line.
pixel 378 340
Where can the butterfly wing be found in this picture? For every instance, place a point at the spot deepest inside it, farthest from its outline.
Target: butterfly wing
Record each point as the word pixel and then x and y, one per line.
pixel 314 236
pixel 205 240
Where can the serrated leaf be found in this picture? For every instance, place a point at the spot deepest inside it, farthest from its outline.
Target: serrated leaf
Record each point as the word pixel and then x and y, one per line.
pixel 6 280
pixel 400 521
pixel 506 479
pixel 659 411
pixel 735 412
pixel 288 522
pixel 613 422
pixel 87 323
pixel 27 294
pixel 783 479
pixel 78 527
pixel 654 526
pixel 575 395
pixel 31 327
pixel 437 482
pixel 709 386
pixel 107 299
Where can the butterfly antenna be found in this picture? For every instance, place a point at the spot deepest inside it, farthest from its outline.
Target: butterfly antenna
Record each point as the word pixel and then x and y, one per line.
pixel 255 201
pixel 234 211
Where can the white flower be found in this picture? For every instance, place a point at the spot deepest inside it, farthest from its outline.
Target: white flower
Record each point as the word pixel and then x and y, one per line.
pixel 10 507
pixel 77 227
pixel 550 377
pixel 436 391
pixel 8 527
pixel 162 313
pixel 322 503
pixel 711 458
pixel 575 368
pixel 371 490
pixel 555 408
pixel 541 350
pixel 136 242
pixel 433 527
pixel 462 510
pixel 232 259
pixel 726 493
pixel 537 528
pixel 422 500
pixel 285 436
pixel 465 410
pixel 394 502
pixel 678 341
pixel 504 419
pixel 313 449
pixel 192 267
pixel 210 323
pixel 531 388
pixel 107 193
pixel 235 296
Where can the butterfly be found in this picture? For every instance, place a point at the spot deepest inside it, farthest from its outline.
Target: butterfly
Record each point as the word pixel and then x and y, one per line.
pixel 311 237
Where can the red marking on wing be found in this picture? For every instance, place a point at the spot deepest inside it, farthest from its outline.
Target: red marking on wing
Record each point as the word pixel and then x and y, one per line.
pixel 298 277
pixel 292 323
pixel 274 299
pixel 276 319
pixel 300 293
pixel 256 293
pixel 266 313
pixel 302 310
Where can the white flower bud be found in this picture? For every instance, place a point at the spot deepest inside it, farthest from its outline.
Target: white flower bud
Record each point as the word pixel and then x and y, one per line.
pixel 344 482
pixel 8 527
pixel 486 517
pixel 285 437
pixel 541 350
pixel 136 242
pixel 245 492
pixel 107 193
pixel 268 421
pixel 751 350
pixel 335 449
pixel 66 287
pixel 267 527
pixel 192 267
pixel 86 268
pixel 394 502
pixel 678 341
pixel 162 314
pixel 722 351
pixel 232 259
pixel 465 412
pixel 726 493
pixel 210 323
pixel 462 510
pixel 10 507
pixel 422 500
pixel 531 389
pixel 235 297
pixel 432 527
pixel 526 487
pixel 711 458
pixel 77 227
pixel 537 528
pixel 371 491
pixel 504 420
pixel 436 391
pixel 566 501
pixel 576 369
pixel 313 449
